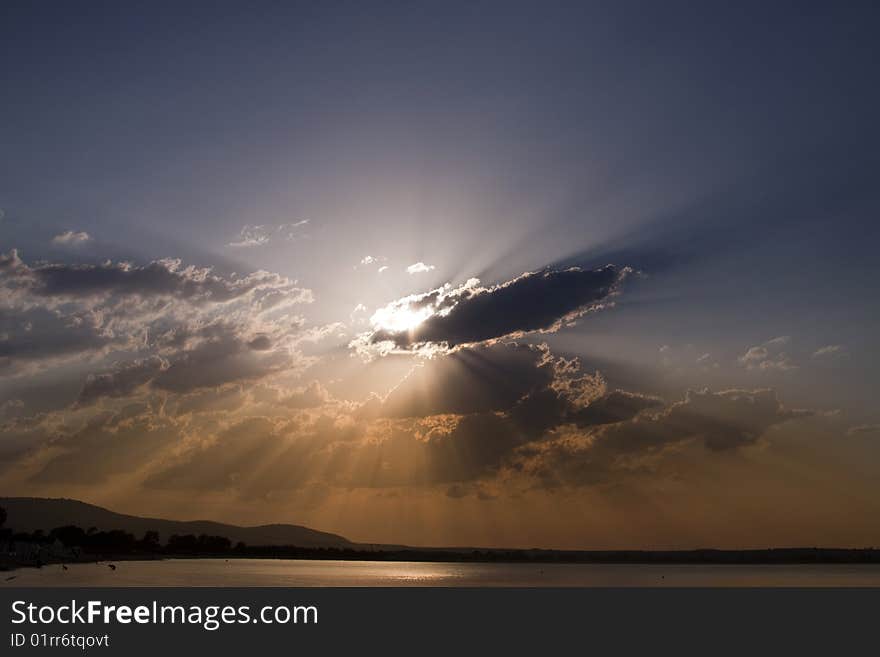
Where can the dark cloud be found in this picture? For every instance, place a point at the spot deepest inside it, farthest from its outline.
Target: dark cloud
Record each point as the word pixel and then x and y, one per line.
pixel 218 357
pixel 481 443
pixel 33 334
pixel 215 362
pixel 469 314
pixel 727 419
pixel 186 343
pixel 261 342
pixel 123 333
pixel 525 379
pixel 615 406
pixel 470 380
pixel 720 420
pixel 476 446
pixel 461 437
pixel 159 278
pixel 545 437
pixel 168 326
pixel 122 381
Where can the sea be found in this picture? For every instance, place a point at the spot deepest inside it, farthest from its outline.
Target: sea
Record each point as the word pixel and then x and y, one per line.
pixel 309 573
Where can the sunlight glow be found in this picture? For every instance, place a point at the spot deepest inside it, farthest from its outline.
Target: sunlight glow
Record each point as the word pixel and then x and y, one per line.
pixel 399 318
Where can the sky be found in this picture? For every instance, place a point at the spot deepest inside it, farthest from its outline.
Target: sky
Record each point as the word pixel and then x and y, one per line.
pixel 574 275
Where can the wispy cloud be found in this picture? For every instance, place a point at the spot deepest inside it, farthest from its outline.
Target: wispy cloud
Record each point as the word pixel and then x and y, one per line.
pixel 829 350
pixel 251 236
pixel 291 231
pixel 768 356
pixel 706 362
pixel 419 268
pixel 71 238
pixel 263 234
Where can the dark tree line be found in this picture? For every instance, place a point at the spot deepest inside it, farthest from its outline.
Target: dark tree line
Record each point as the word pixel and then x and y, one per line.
pixel 117 541
pixel 121 542
pixel 5 533
pixel 198 544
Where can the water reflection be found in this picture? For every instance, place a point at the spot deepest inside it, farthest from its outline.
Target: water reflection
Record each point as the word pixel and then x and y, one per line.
pixel 279 572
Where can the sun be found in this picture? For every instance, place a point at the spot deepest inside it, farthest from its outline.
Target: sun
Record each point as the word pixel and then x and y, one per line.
pixel 400 318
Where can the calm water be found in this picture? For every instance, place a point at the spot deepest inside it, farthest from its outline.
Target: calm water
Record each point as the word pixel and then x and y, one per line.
pixel 278 572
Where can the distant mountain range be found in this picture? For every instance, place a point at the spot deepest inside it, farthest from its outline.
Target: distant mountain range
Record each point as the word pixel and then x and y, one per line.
pixel 27 514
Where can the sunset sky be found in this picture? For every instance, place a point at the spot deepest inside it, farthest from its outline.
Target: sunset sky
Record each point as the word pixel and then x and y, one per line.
pixel 575 275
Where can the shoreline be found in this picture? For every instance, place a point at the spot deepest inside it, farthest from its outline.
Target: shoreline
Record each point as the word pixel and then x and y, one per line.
pixel 9 565
pixel 723 558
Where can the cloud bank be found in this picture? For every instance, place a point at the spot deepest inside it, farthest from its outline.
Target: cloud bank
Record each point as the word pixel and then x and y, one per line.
pixel 161 312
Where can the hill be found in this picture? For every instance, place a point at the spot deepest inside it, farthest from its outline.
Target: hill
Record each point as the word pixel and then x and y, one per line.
pixel 27 514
